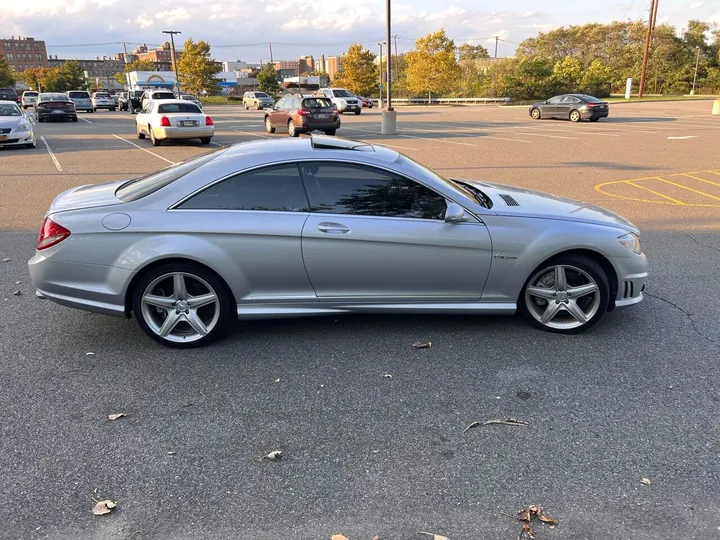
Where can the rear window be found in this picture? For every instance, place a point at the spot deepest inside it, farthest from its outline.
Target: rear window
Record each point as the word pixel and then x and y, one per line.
pixel 317 103
pixel 102 94
pixel 591 99
pixel 145 185
pixel 162 95
pixel 8 92
pixel 136 94
pixel 53 97
pixel 79 95
pixel 30 94
pixel 178 108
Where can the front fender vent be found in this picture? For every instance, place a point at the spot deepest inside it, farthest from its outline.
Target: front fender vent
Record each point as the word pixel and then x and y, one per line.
pixel 509 200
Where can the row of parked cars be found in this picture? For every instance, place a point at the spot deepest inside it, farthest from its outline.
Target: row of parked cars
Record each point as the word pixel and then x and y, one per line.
pixel 343 99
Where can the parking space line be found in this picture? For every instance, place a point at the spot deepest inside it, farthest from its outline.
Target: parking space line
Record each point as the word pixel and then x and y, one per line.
pixel 216 144
pixel 689 189
pixel 437 140
pixel 249 133
pixel 145 150
pixel 382 143
pixel 689 175
pixel 566 131
pixel 631 183
pixel 52 156
pixel 469 135
pixel 84 119
pixel 501 128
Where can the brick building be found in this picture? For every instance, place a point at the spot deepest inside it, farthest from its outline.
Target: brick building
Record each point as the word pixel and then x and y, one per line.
pixel 102 68
pixel 23 53
pixel 162 57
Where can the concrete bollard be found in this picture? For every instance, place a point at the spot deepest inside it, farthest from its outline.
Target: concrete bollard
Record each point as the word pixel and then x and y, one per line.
pixel 716 106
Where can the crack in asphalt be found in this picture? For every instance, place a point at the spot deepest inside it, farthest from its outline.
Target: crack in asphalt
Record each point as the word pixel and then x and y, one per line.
pixel 699 243
pixel 687 315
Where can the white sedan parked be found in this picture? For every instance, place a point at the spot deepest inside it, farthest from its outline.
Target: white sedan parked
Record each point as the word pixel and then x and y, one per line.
pixel 16 129
pixel 173 119
pixel 103 100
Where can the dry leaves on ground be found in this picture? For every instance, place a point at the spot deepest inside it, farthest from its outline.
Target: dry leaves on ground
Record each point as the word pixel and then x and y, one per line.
pixel 339 537
pixel 645 481
pixel 18 293
pixel 422 344
pixel 6 259
pixel 498 421
pixel 103 507
pixel 115 416
pixel 435 536
pixel 526 532
pixel 387 375
pixel 529 513
pixel 275 455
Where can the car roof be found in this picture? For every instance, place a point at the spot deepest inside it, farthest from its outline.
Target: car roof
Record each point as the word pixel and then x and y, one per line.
pixel 7 101
pixel 166 101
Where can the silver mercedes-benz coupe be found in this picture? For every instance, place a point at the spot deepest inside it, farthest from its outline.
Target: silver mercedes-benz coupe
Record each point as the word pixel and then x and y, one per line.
pixel 321 225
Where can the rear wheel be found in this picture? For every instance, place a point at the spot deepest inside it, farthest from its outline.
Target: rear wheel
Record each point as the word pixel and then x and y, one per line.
pixel 574 116
pixel 205 140
pixel 155 140
pixel 257 106
pixel 246 106
pixel 140 134
pixel 292 131
pixel 567 295
pixel 594 119
pixel 535 114
pixel 268 125
pixel 330 131
pixel 182 305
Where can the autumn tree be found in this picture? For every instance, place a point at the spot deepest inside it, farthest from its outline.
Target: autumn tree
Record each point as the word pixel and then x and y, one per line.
pixel 268 79
pixel 71 76
pixel 34 78
pixel 358 72
pixel 196 69
pixel 432 67
pixel 471 52
pixel 7 75
pixel 136 65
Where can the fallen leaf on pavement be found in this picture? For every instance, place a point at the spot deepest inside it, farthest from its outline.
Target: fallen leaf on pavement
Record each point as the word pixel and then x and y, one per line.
pixel 506 422
pixel 339 537
pixel 422 344
pixel 527 531
pixel 17 293
pixel 89 354
pixel 275 455
pixel 6 259
pixel 435 536
pixel 529 512
pixel 645 481
pixel 387 375
pixel 171 453
pixel 115 416
pixel 103 507
pixel 547 519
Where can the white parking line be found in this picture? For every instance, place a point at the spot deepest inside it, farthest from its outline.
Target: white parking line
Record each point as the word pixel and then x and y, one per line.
pixel 216 144
pixel 436 140
pixel 566 131
pixel 469 135
pixel 382 142
pixel 52 156
pixel 251 134
pixel 84 120
pixel 145 150
pixel 501 128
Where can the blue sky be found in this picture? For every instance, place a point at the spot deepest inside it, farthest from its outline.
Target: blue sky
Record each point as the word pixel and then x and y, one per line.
pixel 240 31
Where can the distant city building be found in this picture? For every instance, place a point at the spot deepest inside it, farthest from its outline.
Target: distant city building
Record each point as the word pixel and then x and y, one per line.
pixel 332 66
pixel 238 66
pixel 23 53
pixel 306 64
pixel 162 57
pixel 102 68
pixel 286 65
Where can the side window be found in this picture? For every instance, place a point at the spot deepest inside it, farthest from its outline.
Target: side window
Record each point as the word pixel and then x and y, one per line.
pixel 149 107
pixel 555 100
pixel 278 188
pixel 343 188
pixel 570 99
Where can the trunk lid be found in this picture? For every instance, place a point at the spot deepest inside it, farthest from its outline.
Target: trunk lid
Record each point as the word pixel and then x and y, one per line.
pixel 182 119
pixel 88 196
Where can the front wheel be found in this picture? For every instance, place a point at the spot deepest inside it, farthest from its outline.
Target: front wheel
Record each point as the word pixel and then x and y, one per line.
pixel 357 111
pixel 182 305
pixel 292 131
pixel 535 114
pixel 257 106
pixel 575 116
pixel 594 119
pixel 268 125
pixel 566 295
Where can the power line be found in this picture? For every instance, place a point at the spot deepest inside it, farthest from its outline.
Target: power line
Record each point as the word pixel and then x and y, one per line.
pixel 628 10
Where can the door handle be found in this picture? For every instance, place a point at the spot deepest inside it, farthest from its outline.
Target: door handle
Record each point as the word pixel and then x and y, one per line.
pixel 333 228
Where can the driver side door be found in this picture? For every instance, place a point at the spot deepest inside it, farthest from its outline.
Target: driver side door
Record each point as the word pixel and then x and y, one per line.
pixel 374 235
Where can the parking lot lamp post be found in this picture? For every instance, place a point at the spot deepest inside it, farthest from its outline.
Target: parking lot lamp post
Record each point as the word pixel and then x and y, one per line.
pixel 172 56
pixel 380 101
pixel 388 124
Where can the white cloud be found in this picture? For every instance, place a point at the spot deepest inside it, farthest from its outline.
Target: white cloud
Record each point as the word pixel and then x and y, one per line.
pixel 449 13
pixel 216 8
pixel 502 34
pixel 697 5
pixel 174 15
pixel 295 24
pixel 144 20
pixel 528 14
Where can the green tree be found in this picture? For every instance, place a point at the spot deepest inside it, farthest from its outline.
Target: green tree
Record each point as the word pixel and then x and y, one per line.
pixel 567 74
pixel 432 67
pixel 52 81
pixel 196 69
pixel 596 79
pixel 358 72
pixel 34 78
pixel 136 65
pixel 268 79
pixel 7 75
pixel 71 76
pixel 471 52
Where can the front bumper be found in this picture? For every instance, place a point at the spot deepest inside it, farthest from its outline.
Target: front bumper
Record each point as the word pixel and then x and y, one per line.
pixel 19 139
pixel 632 273
pixel 199 132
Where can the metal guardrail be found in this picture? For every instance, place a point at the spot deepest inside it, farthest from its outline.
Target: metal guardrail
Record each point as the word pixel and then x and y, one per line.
pixel 425 101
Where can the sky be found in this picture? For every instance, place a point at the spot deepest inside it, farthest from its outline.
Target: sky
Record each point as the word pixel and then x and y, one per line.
pixel 241 30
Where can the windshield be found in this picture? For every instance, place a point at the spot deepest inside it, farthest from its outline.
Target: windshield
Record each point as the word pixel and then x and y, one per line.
pixel 145 185
pixel 78 95
pixel 261 94
pixel 9 109
pixel 163 95
pixel 179 108
pixel 342 93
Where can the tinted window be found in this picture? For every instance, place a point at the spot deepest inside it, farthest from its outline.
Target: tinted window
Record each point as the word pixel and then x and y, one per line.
pixel 145 185
pixel 30 94
pixel 278 188
pixel 317 103
pixel 570 99
pixel 102 95
pixel 178 108
pixel 555 100
pixel 342 188
pixel 163 95
pixel 591 99
pixel 53 97
pixel 261 94
pixel 342 93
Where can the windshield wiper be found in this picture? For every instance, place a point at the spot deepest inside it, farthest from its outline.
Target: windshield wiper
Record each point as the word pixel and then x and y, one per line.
pixel 481 197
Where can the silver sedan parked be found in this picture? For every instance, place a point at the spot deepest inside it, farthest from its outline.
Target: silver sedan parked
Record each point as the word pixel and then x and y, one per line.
pixel 313 226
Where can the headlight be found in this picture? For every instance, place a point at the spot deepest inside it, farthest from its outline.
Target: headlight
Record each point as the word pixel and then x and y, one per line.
pixel 22 127
pixel 631 241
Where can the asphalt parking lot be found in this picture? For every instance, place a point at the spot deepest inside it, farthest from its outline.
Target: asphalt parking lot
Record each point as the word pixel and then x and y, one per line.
pixel 368 455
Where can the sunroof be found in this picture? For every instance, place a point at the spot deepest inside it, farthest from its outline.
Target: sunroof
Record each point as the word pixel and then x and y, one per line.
pixel 335 143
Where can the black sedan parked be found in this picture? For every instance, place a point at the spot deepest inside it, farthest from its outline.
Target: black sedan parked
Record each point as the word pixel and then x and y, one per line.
pixel 575 107
pixel 54 106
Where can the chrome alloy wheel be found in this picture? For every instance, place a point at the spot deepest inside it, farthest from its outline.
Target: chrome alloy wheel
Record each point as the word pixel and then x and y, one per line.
pixel 562 297
pixel 180 307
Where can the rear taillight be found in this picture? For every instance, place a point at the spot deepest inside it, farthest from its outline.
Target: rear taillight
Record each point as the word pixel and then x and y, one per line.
pixel 209 121
pixel 164 121
pixel 50 234
pixel 590 105
pixel 302 112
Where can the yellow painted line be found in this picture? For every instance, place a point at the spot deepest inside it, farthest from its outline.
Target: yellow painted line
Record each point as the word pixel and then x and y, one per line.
pixel 701 179
pixel 712 172
pixel 599 189
pixel 630 182
pixel 689 189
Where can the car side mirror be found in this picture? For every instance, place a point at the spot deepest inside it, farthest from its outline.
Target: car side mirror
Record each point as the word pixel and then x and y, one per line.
pixel 455 213
pixel 137 111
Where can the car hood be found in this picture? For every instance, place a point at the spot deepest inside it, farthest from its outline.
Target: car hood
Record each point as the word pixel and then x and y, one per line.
pixel 86 197
pixel 537 204
pixel 11 121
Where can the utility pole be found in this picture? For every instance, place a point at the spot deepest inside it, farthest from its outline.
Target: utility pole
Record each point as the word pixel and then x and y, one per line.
pixel 380 103
pixel 497 38
pixel 127 78
pixel 646 51
pixel 172 53
pixel 396 54
pixel 388 124
pixel 697 62
pixel 271 56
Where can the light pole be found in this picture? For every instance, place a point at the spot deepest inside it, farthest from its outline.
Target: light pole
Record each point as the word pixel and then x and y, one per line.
pixel 172 53
pixel 380 102
pixel 697 62
pixel 388 124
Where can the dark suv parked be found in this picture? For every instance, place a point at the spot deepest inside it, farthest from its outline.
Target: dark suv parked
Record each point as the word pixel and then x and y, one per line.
pixel 135 100
pixel 300 114
pixel 9 94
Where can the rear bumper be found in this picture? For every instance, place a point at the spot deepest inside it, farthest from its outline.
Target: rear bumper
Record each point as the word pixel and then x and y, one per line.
pixel 105 106
pixel 53 114
pixel 312 126
pixel 586 115
pixel 184 133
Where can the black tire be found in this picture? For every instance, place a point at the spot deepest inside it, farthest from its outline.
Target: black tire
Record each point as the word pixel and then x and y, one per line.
pixel 594 119
pixel 593 269
pixel 74 118
pixel 30 146
pixel 140 135
pixel 268 125
pixel 205 140
pixel 246 106
pixel 155 141
pixel 257 106
pixel 535 114
pixel 330 131
pixel 575 116
pixel 91 111
pixel 292 130
pixel 40 119
pixel 225 303
pixel 357 111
